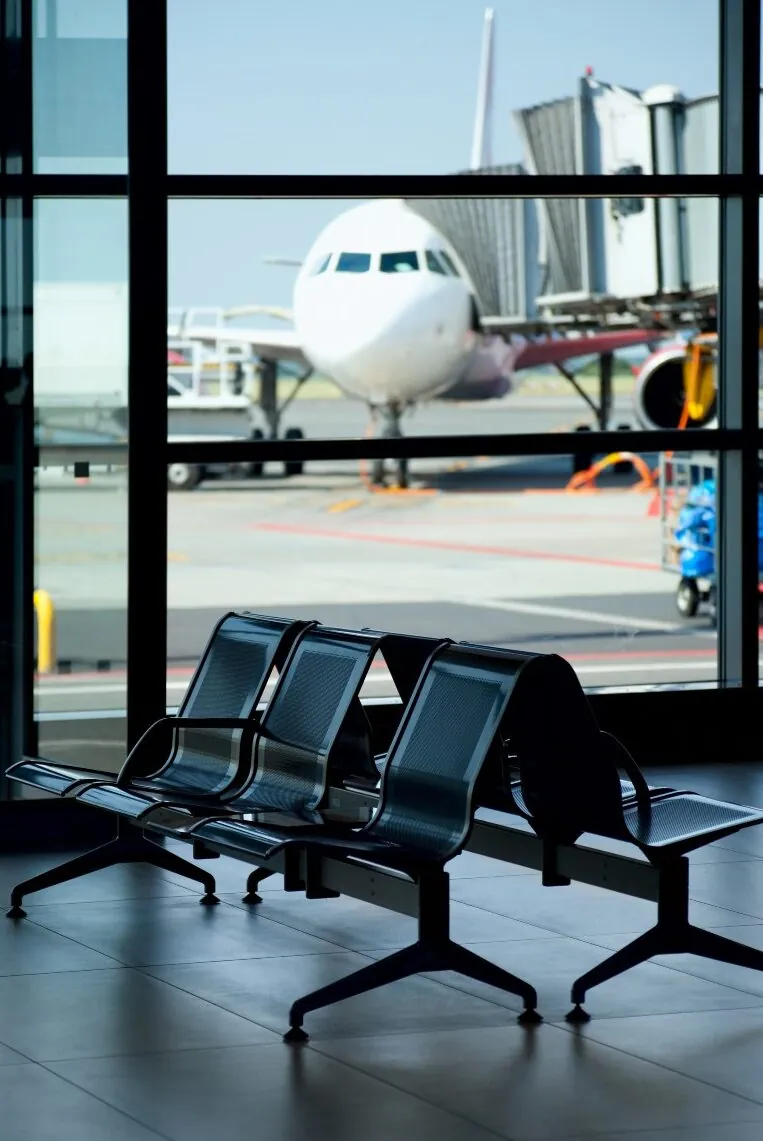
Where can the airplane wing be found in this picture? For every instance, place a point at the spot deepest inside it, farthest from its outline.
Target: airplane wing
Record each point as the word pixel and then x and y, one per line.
pixel 271 344
pixel 533 354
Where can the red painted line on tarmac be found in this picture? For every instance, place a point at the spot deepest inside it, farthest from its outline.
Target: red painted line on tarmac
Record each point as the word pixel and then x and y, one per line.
pixel 442 545
pixel 618 655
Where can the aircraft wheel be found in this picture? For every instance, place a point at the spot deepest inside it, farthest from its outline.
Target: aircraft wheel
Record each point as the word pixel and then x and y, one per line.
pixel 183 477
pixel 687 598
pixel 377 473
pixel 294 467
pixel 254 470
pixel 402 473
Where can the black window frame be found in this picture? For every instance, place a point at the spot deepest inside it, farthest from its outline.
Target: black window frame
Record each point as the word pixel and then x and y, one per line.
pixel 149 188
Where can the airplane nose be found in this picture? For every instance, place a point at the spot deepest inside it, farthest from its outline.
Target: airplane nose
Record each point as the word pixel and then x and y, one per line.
pixel 383 349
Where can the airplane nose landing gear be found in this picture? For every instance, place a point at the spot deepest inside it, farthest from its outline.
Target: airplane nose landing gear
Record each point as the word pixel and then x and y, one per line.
pixel 390 430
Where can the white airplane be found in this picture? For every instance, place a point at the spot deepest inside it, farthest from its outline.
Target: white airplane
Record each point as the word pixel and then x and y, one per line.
pixel 384 306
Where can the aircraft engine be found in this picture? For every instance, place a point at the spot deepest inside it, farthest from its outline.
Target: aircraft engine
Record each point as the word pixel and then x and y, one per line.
pixel 660 394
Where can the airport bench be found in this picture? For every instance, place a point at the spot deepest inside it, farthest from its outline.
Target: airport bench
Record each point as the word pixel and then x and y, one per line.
pixel 564 796
pixel 449 734
pixel 313 724
pixel 194 755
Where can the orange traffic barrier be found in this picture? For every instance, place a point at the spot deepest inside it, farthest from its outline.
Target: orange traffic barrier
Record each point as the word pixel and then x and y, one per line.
pixel 581 478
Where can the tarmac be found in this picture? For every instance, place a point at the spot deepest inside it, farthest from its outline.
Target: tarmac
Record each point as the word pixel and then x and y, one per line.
pixel 492 551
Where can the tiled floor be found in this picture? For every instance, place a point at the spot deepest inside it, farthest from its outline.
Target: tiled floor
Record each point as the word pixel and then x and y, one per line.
pixel 128 1012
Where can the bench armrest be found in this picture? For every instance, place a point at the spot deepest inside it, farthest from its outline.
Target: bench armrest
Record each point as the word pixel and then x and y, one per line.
pixel 171 723
pixel 624 760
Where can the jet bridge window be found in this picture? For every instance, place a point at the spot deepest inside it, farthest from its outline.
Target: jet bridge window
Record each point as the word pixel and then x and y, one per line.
pixel 449 263
pixel 405 262
pixel 434 263
pixel 353 263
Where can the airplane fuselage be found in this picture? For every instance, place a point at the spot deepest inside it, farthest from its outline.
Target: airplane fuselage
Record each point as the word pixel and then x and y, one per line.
pixel 384 307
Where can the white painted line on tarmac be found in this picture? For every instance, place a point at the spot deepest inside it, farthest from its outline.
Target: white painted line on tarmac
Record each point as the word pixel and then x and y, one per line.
pixel 383 679
pixel 595 616
pixel 57 689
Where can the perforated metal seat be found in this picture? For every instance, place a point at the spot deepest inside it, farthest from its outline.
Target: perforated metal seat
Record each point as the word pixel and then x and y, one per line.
pixel 194 756
pixel 314 726
pixel 424 814
pixel 567 793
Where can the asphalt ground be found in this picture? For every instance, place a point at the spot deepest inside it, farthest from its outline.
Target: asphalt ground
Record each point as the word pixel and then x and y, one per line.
pixel 492 551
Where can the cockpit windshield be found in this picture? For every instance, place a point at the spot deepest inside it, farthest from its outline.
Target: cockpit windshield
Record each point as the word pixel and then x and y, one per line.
pixel 320 265
pixel 405 262
pixel 451 265
pixel 434 263
pixel 353 263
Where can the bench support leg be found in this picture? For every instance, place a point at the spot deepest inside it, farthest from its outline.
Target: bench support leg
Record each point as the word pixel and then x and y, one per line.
pixel 433 951
pixel 123 850
pixel 253 881
pixel 672 935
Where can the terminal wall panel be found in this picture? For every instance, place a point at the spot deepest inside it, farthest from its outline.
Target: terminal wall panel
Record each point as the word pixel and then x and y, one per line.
pixel 80 350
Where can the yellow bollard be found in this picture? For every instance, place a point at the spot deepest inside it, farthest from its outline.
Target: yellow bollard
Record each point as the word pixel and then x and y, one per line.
pixel 46 632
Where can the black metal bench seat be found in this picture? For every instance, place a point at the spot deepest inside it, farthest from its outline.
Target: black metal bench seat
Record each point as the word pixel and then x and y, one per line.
pixel 194 756
pixel 568 792
pixel 449 730
pixel 314 733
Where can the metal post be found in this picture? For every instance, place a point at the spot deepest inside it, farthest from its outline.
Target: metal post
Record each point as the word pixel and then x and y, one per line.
pixel 738 323
pixel 147 422
pixel 17 730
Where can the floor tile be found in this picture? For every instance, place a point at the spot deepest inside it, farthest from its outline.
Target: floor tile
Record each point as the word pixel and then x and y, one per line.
pixel 577 910
pixel 541 1083
pixel 263 990
pixel 552 965
pixel 741 978
pixel 99 1013
pixel 721 1049
pixel 40 1106
pixel 9 1057
pixel 177 931
pixel 747 1131
pixel 738 886
pixel 26 948
pixel 360 926
pixel 124 881
pixel 275 1093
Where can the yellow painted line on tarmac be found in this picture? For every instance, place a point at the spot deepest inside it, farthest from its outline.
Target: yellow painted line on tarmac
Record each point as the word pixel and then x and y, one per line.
pixel 177 557
pixel 343 505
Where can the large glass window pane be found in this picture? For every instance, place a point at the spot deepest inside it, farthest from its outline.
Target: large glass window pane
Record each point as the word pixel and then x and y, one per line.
pixel 617 578
pixel 338 88
pixel 80 345
pixel 80 86
pixel 564 315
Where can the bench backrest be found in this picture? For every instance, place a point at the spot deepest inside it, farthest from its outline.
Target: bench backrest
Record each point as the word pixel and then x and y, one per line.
pixel 447 732
pixel 568 768
pixel 229 682
pixel 406 656
pixel 314 723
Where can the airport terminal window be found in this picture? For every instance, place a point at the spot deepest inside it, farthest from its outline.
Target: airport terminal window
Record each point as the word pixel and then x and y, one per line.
pixel 434 263
pixel 399 263
pixel 449 263
pixel 353 263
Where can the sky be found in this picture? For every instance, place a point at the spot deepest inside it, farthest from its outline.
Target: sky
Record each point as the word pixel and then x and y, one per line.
pixel 342 87
pixel 349 87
